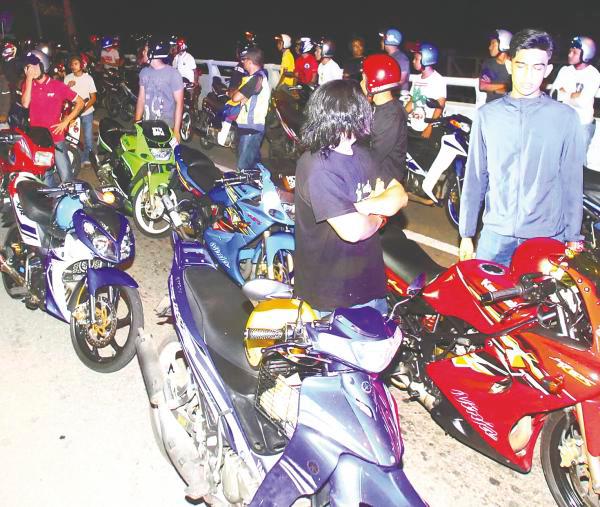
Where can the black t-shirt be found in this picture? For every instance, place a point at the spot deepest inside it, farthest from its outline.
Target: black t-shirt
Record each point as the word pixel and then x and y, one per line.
pixel 353 68
pixel 389 138
pixel 330 272
pixel 237 74
pixel 497 74
pixel 13 70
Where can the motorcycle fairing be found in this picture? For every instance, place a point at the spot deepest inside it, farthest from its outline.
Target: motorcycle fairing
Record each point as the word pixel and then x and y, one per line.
pixel 512 377
pixel 350 414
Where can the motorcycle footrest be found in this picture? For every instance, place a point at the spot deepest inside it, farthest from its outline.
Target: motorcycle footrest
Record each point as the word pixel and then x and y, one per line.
pixel 18 292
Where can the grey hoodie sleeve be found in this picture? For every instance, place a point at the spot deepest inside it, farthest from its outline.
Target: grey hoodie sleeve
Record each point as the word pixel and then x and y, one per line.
pixel 571 178
pixel 476 181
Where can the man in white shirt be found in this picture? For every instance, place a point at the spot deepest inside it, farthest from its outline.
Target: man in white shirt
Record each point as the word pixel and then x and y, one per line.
pixel 328 67
pixel 83 84
pixel 577 83
pixel 184 62
pixel 429 85
pixel 109 56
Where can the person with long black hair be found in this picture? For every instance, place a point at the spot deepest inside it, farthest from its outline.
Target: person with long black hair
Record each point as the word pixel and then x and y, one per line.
pixel 342 199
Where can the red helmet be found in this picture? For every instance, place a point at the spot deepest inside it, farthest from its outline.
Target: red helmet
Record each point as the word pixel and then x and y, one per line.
pixel 85 60
pixel 381 72
pixel 94 39
pixel 181 45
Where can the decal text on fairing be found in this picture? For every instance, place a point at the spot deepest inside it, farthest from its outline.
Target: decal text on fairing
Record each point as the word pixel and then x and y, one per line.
pixel 473 412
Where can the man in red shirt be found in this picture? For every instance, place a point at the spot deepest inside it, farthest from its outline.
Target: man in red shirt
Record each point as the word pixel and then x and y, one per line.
pixel 307 67
pixel 45 98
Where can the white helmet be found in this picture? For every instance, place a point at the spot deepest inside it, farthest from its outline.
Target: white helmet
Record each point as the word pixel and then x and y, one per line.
pixel 503 37
pixel 587 46
pixel 286 39
pixel 306 45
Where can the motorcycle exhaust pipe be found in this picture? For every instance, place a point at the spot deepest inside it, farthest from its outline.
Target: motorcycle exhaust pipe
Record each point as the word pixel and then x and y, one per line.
pixel 179 446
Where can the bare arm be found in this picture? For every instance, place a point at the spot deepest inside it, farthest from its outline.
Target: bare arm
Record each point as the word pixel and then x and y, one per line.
pixel 355 227
pixel 139 106
pixel 64 125
pixel 487 86
pixel 387 203
pixel 178 112
pixel 31 72
pixel 91 101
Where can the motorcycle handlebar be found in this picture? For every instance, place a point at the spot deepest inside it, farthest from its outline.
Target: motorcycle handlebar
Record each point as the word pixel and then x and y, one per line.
pixel 502 295
pixel 266 334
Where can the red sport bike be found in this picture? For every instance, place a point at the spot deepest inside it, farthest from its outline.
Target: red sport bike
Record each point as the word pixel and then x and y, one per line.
pixel 500 356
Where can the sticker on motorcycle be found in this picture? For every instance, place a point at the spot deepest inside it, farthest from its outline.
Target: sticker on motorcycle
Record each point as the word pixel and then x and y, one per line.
pixel 158 131
pixel 569 370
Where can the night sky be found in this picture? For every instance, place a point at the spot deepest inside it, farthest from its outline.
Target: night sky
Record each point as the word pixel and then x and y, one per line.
pixel 213 27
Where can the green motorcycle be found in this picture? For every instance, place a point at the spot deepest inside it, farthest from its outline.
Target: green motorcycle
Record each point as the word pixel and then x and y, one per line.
pixel 138 164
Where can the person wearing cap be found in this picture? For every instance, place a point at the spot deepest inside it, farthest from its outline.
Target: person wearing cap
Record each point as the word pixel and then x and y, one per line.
pixel 254 95
pixel 494 79
pixel 390 43
pixel 577 83
pixel 45 97
pixel 160 95
pixel 381 75
pixel 288 66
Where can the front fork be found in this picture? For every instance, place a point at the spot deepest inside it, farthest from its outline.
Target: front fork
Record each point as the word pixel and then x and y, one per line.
pixel 588 417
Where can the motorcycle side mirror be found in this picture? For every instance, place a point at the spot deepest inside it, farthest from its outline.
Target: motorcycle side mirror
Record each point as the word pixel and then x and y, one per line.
pixel 433 104
pixel 417 285
pixel 260 289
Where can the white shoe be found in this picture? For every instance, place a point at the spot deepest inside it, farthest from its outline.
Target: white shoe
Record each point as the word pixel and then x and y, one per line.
pixel 223 133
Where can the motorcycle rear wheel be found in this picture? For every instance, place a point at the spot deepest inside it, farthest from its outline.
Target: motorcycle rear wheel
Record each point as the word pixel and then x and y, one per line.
pixel 186 131
pixel 127 111
pixel 113 105
pixel 569 486
pixel 92 341
pixel 16 261
pixel 452 197
pixel 203 126
pixel 148 210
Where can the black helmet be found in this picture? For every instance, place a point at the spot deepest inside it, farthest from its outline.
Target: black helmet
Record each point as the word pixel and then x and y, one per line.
pixel 243 46
pixel 158 49
pixel 327 47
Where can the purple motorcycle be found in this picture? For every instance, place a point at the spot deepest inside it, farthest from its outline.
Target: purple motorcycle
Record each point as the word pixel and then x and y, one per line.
pixel 312 424
pixel 60 256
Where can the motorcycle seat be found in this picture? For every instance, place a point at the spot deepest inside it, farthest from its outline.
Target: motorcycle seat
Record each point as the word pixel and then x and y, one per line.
pixel 220 311
pixel 405 257
pixel 591 184
pixel 37 205
pixel 111 132
pixel 201 169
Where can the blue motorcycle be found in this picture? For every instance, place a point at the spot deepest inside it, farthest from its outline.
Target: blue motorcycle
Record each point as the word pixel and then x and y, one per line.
pixel 244 219
pixel 314 424
pixel 61 256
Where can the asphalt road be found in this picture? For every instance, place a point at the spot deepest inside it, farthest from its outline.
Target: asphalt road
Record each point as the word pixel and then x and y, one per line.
pixel 71 437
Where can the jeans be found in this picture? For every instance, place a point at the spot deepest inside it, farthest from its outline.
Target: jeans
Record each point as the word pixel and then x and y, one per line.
pixel 589 130
pixel 63 164
pixel 379 304
pixel 249 150
pixel 497 248
pixel 87 124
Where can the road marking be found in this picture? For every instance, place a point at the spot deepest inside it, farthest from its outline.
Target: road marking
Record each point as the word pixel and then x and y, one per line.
pixel 431 242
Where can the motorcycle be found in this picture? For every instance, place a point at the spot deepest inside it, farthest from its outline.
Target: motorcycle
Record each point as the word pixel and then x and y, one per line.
pixel 29 150
pixel 501 356
pixel 139 164
pixel 110 90
pixel 209 117
pixel 313 425
pixel 243 219
pixel 428 176
pixel 191 115
pixel 73 137
pixel 591 207
pixel 61 257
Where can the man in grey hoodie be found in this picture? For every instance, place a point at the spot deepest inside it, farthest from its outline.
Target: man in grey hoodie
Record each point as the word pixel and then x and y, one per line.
pixel 525 161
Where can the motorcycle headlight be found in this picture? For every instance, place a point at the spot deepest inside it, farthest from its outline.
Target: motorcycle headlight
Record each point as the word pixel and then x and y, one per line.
pixel 161 154
pixel 375 356
pixel 102 244
pixel 43 158
pixel 126 245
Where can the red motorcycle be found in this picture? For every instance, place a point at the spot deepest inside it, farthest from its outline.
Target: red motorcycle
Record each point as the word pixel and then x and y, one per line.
pixel 500 356
pixel 28 150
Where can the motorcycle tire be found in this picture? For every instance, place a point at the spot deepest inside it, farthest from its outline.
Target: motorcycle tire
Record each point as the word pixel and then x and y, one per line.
pixel 113 105
pixel 186 131
pixel 282 266
pixel 143 220
pixel 75 159
pixel 16 261
pixel 127 111
pixel 452 195
pixel 203 126
pixel 564 483
pixel 90 340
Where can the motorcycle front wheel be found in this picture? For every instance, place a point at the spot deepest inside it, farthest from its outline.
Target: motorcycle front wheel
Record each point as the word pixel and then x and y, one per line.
pixel 453 193
pixel 203 127
pixel 113 105
pixel 75 159
pixel 16 256
pixel 127 111
pixel 570 486
pixel 186 127
pixel 108 344
pixel 149 214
